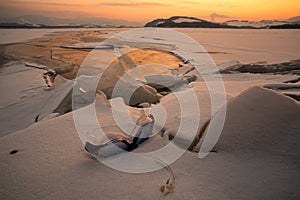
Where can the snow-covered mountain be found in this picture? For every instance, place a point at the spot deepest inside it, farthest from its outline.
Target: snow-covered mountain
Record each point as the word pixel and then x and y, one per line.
pixel 256 24
pixel 295 20
pixel 183 21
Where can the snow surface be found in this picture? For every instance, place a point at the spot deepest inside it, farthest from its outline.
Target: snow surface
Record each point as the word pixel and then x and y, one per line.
pixel 160 22
pixel 257 158
pixel 187 20
pixel 258 24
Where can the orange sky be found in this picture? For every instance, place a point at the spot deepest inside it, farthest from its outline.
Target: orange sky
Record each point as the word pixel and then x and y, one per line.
pixel 144 10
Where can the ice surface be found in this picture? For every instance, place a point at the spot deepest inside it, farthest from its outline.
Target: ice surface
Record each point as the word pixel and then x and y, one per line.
pixel 23 96
pixel 10 36
pixel 248 46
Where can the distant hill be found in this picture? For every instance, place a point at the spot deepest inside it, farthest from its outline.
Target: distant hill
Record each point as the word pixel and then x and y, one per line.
pixel 256 24
pixel 184 21
pixel 263 24
pixel 294 20
pixel 36 21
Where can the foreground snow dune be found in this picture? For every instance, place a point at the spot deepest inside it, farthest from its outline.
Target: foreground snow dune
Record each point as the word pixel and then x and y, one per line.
pixel 256 158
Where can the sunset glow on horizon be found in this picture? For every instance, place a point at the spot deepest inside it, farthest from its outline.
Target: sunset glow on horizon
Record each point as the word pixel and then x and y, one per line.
pixel 145 10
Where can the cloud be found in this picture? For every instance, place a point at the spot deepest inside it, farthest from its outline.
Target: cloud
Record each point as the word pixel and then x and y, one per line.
pixel 17 8
pixel 42 3
pixel 14 11
pixel 190 2
pixel 216 15
pixel 133 4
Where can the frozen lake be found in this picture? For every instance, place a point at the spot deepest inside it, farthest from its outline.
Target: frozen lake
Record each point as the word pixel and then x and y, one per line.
pixel 10 36
pixel 223 45
pixel 248 45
